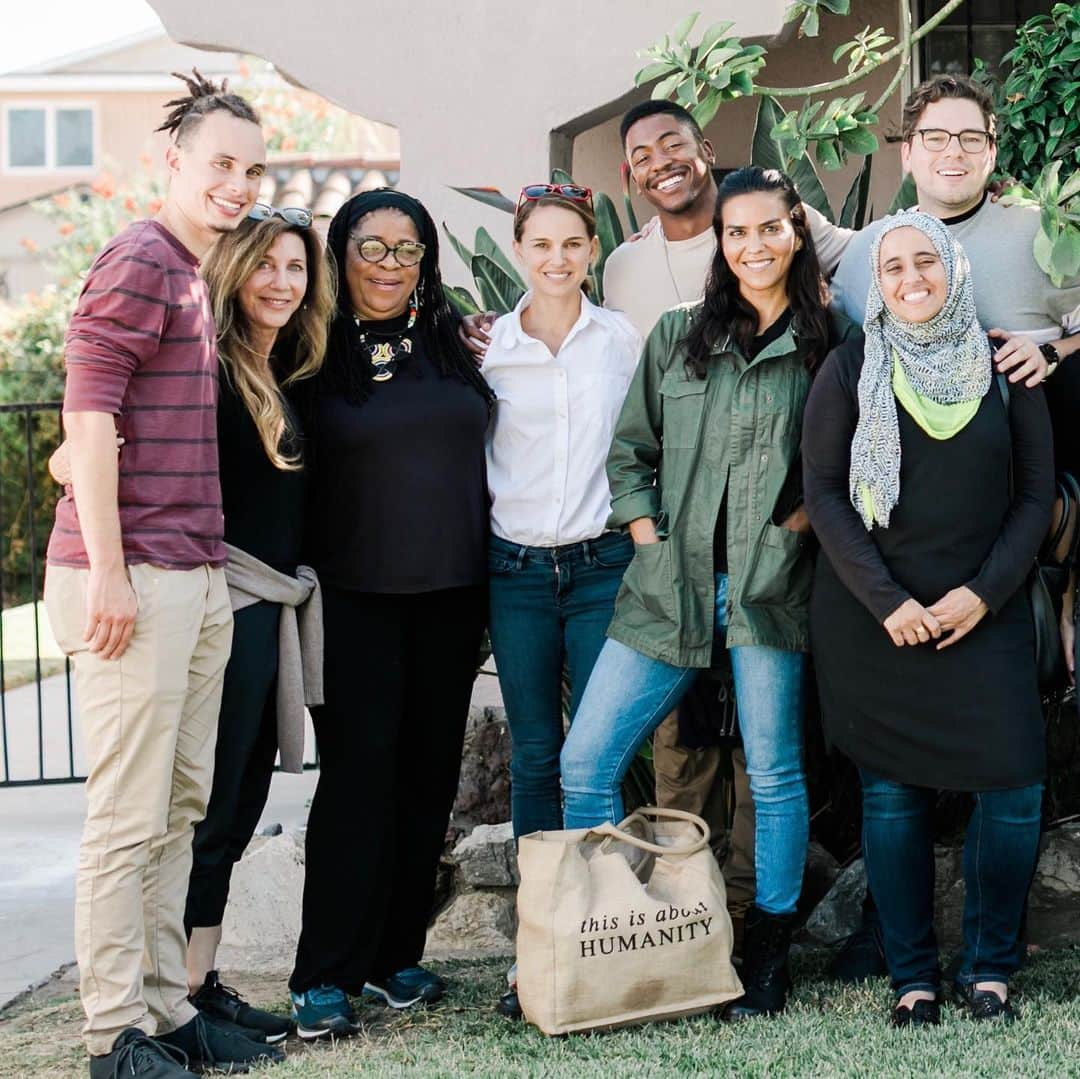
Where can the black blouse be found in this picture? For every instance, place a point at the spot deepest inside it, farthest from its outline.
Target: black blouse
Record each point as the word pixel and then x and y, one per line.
pixel 263 505
pixel 399 487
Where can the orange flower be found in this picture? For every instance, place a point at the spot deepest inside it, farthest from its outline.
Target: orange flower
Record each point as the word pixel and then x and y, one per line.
pixel 244 69
pixel 29 244
pixel 104 185
pixel 153 206
pixel 130 204
pixel 63 200
pixel 145 160
pixel 288 143
pixel 66 228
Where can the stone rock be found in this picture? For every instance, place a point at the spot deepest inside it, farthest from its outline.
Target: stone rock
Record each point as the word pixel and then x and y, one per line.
pixel 475 923
pixel 837 915
pixel 262 920
pixel 1054 902
pixel 483 795
pixel 487 857
pixel 820 875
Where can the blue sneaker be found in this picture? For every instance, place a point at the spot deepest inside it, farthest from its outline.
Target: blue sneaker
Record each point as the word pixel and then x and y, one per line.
pixel 322 1011
pixel 414 985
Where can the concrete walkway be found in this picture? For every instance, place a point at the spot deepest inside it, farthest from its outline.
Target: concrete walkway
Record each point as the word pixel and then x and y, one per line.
pixel 40 828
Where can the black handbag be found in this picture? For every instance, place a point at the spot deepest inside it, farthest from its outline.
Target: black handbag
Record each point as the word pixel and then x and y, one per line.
pixel 1049 576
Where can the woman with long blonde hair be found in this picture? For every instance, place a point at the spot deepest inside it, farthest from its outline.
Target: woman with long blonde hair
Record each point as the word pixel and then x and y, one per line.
pixel 271 287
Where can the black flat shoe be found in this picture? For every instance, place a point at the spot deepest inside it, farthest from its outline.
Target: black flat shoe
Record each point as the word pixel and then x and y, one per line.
pixel 509 1005
pixel 923 1013
pixel 984 1004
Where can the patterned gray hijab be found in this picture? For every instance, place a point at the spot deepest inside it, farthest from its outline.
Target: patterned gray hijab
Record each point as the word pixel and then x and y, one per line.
pixel 946 360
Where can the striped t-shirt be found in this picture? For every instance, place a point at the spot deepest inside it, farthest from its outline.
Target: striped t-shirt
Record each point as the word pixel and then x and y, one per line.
pixel 141 345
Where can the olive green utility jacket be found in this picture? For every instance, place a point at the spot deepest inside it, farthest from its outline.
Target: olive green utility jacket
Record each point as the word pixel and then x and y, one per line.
pixel 681 443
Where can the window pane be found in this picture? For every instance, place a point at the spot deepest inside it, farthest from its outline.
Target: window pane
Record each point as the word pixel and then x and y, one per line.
pixel 946 52
pixel 26 134
pixel 932 7
pixel 992 11
pixel 74 138
pixel 990 44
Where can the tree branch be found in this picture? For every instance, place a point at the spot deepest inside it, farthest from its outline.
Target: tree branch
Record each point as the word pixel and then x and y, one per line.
pixel 905 61
pixel 905 43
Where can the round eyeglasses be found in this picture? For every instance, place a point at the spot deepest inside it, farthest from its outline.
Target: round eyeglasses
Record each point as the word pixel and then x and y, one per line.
pixel 372 249
pixel 291 215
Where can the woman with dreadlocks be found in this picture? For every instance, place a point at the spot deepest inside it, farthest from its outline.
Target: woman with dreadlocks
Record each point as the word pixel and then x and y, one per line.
pixel 396 527
pixel 930 491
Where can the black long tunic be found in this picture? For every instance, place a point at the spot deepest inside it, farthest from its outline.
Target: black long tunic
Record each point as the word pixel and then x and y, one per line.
pixel 967 717
pixel 399 486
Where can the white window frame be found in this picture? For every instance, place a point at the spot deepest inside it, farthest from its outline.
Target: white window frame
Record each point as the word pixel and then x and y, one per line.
pixel 50 108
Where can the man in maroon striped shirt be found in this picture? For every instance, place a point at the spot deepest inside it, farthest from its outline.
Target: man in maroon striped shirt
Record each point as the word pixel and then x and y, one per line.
pixel 136 592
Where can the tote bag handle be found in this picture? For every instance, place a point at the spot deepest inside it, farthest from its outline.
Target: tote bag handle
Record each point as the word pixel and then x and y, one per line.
pixel 645 815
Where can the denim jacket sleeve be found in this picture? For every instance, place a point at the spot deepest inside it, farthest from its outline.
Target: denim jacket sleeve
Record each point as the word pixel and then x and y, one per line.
pixel 634 458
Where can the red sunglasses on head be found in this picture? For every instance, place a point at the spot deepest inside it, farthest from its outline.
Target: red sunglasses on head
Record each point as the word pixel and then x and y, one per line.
pixel 573 192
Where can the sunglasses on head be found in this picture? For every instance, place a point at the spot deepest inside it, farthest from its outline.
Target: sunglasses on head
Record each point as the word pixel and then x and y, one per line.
pixel 573 192
pixel 291 215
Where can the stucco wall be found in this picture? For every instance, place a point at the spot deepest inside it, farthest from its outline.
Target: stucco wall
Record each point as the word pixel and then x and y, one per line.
pixel 486 81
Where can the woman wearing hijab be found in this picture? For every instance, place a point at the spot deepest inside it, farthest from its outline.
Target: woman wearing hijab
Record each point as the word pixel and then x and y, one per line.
pixel 396 529
pixel 930 491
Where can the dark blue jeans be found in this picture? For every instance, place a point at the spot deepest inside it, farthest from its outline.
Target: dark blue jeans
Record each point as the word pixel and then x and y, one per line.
pixel 548 604
pixel 999 858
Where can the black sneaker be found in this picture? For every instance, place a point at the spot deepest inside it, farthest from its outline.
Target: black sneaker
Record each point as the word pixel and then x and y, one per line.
pixel 862 956
pixel 209 1046
pixel 414 985
pixel 984 1004
pixel 134 1053
pixel 218 1002
pixel 324 1011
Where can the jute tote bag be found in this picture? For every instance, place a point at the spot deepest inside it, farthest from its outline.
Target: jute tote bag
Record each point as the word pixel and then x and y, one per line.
pixel 621 924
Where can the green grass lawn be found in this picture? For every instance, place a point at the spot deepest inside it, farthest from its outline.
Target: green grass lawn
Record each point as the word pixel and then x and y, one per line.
pixel 825 1032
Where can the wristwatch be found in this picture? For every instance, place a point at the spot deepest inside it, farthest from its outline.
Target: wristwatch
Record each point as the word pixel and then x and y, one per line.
pixel 1053 358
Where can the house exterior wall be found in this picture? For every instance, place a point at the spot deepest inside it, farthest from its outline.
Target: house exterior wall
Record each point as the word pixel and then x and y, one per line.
pixel 124 126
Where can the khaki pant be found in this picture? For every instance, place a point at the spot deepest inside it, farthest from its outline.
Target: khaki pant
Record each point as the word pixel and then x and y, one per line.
pixel 686 779
pixel 149 723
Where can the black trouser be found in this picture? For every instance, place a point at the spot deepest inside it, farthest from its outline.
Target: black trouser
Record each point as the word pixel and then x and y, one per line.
pixel 399 671
pixel 243 762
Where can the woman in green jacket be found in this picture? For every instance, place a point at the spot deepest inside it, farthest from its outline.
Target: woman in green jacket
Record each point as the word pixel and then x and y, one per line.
pixel 704 472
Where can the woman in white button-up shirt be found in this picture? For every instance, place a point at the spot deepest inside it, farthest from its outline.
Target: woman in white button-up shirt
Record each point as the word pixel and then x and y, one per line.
pixel 559 366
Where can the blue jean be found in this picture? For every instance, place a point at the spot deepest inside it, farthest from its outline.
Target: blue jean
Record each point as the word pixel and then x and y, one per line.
pixel 627 697
pixel 999 858
pixel 547 604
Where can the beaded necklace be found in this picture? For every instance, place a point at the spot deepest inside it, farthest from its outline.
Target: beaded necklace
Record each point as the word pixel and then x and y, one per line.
pixel 384 354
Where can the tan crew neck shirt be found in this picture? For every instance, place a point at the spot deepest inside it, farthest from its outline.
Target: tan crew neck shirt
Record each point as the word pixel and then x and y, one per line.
pixel 648 277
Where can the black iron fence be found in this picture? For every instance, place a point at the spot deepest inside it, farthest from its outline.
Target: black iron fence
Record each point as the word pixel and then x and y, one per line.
pixel 39 738
pixel 37 729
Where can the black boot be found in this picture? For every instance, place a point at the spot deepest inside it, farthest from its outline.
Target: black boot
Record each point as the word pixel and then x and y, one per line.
pixel 765 975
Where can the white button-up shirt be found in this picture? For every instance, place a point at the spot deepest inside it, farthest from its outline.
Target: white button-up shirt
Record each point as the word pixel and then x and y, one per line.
pixel 554 420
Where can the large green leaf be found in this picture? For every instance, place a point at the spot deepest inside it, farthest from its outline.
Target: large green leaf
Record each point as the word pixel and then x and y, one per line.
pixel 489 196
pixel 463 252
pixel 462 299
pixel 485 245
pixel 561 176
pixel 498 291
pixel 853 214
pixel 905 197
pixel 610 233
pixel 766 152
